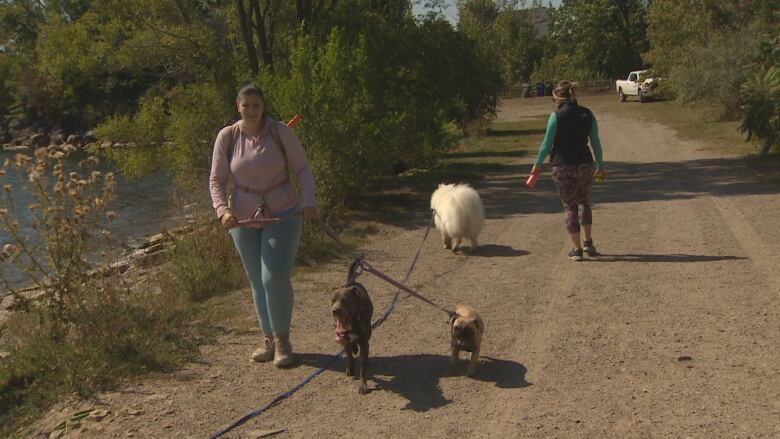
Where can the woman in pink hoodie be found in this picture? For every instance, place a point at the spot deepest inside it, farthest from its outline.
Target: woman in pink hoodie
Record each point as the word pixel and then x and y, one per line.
pixel 257 152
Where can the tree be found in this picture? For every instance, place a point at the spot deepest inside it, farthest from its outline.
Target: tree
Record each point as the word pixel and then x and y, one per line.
pixel 601 36
pixel 707 56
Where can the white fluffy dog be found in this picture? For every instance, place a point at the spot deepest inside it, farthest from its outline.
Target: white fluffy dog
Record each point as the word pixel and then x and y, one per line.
pixel 458 214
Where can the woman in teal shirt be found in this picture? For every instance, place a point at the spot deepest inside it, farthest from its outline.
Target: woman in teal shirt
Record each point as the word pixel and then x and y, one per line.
pixel 566 141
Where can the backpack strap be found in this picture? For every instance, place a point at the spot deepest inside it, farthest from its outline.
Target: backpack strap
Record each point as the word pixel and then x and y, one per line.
pixel 274 133
pixel 278 139
pixel 232 141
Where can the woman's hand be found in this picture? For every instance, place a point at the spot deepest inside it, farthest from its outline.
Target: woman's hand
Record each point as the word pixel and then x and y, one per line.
pixel 600 175
pixel 228 220
pixel 534 169
pixel 310 214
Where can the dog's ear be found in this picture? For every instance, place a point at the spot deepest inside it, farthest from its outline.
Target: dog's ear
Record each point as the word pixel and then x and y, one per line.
pixel 480 325
pixel 365 308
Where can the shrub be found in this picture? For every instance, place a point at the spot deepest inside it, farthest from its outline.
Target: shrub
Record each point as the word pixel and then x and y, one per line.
pixel 761 94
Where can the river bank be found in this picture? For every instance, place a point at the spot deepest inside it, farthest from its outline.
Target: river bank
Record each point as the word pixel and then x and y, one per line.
pixel 144 208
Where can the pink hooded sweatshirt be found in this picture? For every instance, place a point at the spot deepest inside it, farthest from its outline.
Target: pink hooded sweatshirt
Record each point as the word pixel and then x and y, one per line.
pixel 258 167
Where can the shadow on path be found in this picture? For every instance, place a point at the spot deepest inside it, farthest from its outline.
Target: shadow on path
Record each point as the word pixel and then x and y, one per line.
pixel 504 193
pixel 416 377
pixel 497 250
pixel 661 258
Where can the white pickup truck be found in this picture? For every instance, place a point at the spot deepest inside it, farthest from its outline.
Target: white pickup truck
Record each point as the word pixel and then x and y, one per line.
pixel 637 84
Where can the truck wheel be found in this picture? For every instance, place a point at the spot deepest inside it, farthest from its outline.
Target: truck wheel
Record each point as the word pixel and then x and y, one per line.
pixel 642 98
pixel 622 95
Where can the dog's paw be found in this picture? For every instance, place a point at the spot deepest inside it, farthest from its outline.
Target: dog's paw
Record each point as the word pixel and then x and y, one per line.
pixel 363 389
pixel 350 373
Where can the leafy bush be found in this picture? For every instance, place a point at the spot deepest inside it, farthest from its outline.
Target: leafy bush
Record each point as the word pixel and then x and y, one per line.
pixel 761 93
pixel 713 71
pixel 173 133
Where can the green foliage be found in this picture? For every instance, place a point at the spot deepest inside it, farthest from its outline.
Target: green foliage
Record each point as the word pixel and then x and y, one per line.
pixel 706 56
pixel 368 108
pixel 171 134
pixel 761 93
pixel 560 67
pixel 505 36
pixel 145 131
pixel 7 86
pixel 602 36
pixel 327 86
pixel 713 71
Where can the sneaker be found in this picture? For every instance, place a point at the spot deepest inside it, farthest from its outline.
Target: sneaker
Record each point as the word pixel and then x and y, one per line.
pixel 589 248
pixel 576 254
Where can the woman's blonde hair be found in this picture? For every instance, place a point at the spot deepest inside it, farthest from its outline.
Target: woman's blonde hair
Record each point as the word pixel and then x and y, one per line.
pixel 564 91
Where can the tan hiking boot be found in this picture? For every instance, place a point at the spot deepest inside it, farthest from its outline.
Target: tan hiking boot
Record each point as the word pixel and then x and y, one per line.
pixel 265 352
pixel 283 353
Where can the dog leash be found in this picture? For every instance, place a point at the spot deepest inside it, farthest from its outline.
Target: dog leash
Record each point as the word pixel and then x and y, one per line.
pixel 365 266
pixel 284 395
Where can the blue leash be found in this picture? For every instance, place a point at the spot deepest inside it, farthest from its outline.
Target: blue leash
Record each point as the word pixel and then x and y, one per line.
pixel 284 395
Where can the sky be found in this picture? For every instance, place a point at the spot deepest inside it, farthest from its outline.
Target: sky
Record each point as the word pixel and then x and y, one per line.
pixel 452 13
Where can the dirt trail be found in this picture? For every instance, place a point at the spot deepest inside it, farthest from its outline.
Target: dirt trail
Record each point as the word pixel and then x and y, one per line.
pixel 591 349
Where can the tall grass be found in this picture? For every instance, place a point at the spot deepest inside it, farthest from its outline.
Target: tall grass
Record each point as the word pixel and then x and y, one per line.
pixel 85 330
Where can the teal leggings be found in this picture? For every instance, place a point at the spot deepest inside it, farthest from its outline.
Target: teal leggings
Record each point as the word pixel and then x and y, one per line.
pixel 268 255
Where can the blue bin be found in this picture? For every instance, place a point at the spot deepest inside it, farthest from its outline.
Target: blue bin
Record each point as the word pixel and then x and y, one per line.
pixel 539 89
pixel 548 88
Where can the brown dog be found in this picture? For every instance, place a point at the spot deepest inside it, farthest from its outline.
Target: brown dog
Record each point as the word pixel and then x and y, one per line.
pixel 466 329
pixel 352 309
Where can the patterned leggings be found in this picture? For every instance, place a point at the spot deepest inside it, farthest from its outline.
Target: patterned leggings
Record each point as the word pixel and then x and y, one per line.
pixel 573 183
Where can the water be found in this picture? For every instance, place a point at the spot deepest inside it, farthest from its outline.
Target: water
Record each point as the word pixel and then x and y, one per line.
pixel 143 206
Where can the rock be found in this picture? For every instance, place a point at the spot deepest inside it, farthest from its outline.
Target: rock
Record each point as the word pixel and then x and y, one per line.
pixel 15 147
pixel 56 138
pixel 147 260
pixel 134 412
pixel 98 414
pixel 73 139
pixel 90 137
pixel 37 140
pixel 121 266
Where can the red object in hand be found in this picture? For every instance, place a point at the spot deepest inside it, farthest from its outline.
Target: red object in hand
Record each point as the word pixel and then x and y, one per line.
pixel 531 182
pixel 294 121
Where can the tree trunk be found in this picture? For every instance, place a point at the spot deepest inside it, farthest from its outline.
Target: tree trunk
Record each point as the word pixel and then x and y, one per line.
pixel 246 31
pixel 262 32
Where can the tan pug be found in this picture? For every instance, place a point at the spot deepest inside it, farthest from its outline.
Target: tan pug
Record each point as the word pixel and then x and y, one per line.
pixel 466 329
